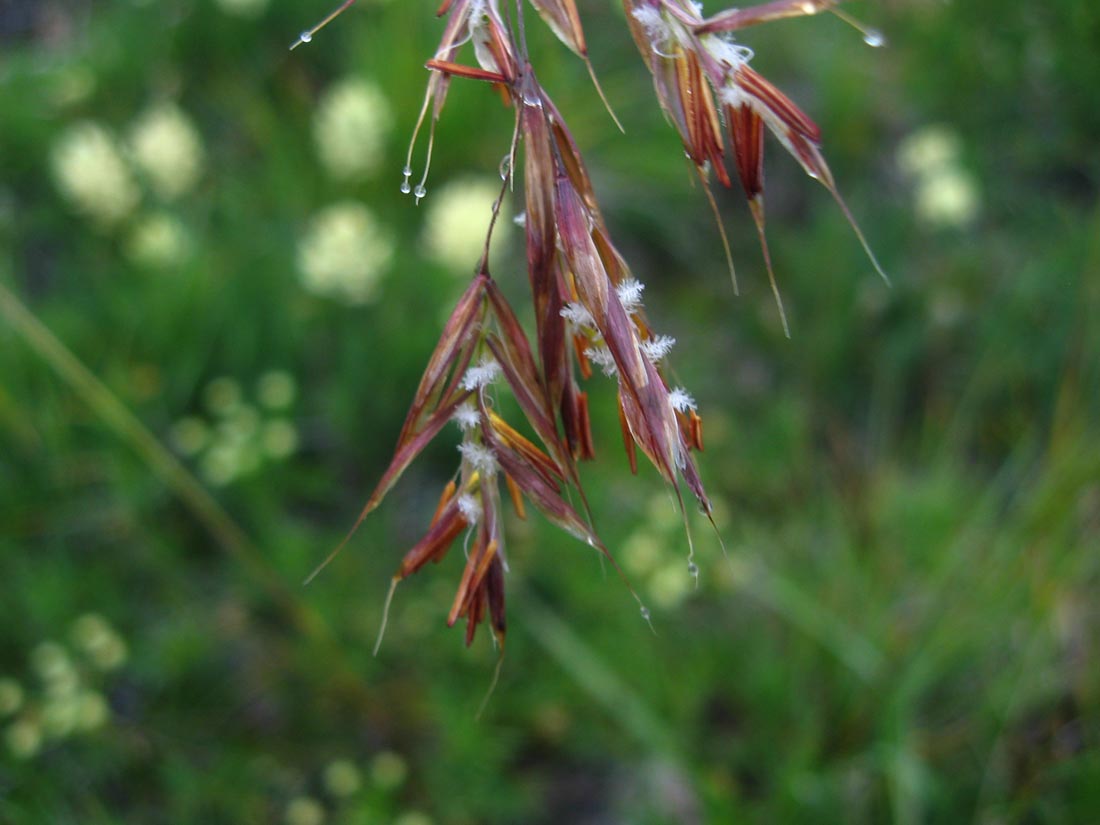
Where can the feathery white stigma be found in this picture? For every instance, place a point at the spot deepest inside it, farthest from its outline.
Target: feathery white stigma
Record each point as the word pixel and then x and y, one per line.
pixel 485 372
pixel 630 294
pixel 470 508
pixel 680 400
pixel 656 26
pixel 467 417
pixel 479 457
pixel 578 314
pixel 658 347
pixel 602 356
pixel 726 51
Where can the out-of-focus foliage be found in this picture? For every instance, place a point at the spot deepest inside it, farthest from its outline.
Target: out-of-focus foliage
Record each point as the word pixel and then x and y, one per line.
pixel 905 628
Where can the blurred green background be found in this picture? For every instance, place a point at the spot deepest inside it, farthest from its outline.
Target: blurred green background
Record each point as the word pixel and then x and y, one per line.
pixel 905 629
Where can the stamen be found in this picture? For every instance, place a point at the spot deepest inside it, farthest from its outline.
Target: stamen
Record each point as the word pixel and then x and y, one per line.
pixel 680 400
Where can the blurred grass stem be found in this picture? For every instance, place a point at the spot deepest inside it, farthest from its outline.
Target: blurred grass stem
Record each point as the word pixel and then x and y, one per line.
pixel 165 466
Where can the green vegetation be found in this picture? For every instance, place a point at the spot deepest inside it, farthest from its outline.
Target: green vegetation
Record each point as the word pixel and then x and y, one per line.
pixel 905 628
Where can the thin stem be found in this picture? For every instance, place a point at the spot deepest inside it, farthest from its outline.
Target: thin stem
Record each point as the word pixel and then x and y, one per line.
pixel 307 35
pixel 522 33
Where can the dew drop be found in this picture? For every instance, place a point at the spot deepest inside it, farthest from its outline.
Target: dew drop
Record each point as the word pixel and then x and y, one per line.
pixel 406 187
pixel 407 171
pixel 305 37
pixel 645 612
pixel 693 569
pixel 419 192
pixel 874 39
pixel 505 167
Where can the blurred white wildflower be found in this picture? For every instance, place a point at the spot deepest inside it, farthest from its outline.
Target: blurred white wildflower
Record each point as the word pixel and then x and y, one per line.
pixel 948 199
pixel 279 438
pixel 221 464
pixel 388 770
pixel 641 552
pixel 51 662
pixel 946 195
pixel 342 778
pixel 670 584
pixel 933 147
pixel 89 169
pixel 222 395
pixel 304 810
pixel 92 710
pixel 344 253
pixel 24 738
pixel 158 241
pixel 457 220
pixel 168 149
pixel 276 389
pixel 59 716
pixel 243 8
pixel 240 426
pixel 11 697
pixel 241 438
pixel 352 122
pixel 190 435
pixel 413 818
pixel 95 637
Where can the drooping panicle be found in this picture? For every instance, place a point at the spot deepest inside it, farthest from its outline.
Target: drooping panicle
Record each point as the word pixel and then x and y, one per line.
pixel 588 309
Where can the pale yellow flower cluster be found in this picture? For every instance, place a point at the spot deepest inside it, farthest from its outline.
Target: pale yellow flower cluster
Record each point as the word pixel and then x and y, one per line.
pixel 102 178
pixel 457 220
pixel 90 170
pixel 350 127
pixel 239 438
pixel 343 780
pixel 344 253
pixel 946 195
pixel 666 581
pixel 168 150
pixel 68 702
pixel 158 240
